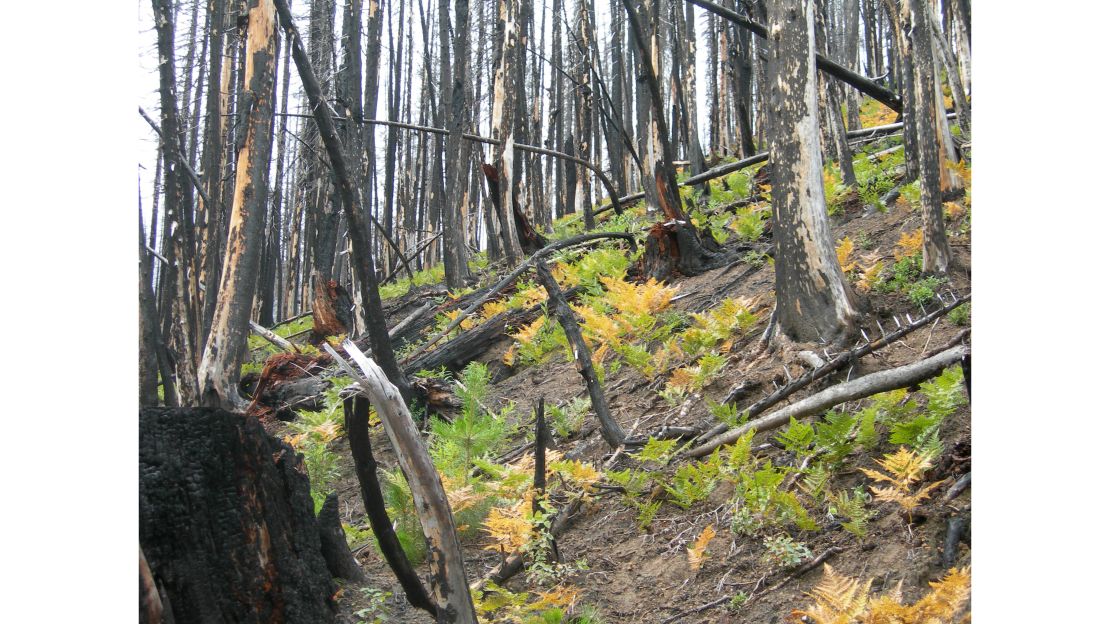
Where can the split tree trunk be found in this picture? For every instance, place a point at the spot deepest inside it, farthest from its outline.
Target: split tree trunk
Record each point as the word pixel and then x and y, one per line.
pixel 218 373
pixel 225 520
pixel 814 301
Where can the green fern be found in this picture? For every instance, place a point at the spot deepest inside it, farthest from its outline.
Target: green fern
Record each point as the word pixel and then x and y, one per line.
pixel 853 507
pixel 798 437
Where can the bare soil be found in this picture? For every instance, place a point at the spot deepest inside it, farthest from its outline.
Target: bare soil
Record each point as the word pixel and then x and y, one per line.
pixel 638 576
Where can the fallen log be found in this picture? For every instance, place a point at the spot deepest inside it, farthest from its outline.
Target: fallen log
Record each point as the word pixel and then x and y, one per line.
pixel 838 363
pixel 882 381
pixel 273 338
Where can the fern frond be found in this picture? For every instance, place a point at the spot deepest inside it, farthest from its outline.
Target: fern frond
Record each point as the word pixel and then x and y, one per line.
pixel 696 553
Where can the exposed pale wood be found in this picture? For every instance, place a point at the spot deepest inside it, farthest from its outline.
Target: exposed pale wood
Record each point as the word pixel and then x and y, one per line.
pixel 882 381
pixel 274 339
pixel 450 591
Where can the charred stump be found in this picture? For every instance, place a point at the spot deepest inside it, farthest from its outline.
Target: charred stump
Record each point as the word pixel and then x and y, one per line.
pixel 331 309
pixel 333 545
pixel 225 521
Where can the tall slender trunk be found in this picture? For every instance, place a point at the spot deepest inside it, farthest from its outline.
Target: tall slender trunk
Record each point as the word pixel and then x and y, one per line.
pixel 813 299
pixel 223 352
pixel 177 207
pixel 583 107
pixel 504 108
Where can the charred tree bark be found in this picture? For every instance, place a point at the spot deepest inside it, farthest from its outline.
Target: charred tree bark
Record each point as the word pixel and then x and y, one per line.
pixel 814 301
pixel 454 95
pixel 362 259
pixel 661 186
pixel 218 373
pixel 450 591
pixel 178 208
pixel 935 252
pixel 333 545
pixel 610 430
pixel 225 520
pixel 356 414
pixel 505 92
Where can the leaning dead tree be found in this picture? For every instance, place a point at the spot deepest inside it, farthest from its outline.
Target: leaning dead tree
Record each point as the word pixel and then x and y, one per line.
pixel 358 227
pixel 450 591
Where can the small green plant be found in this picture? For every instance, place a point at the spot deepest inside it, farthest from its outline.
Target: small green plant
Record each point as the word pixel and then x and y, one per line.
pixel 960 315
pixel 797 438
pixel 694 482
pixel 567 419
pixel 589 614
pixel 647 513
pixel 853 507
pixel 375 612
pixel 923 291
pixel 472 434
pixel 785 552
pixel 727 413
pixel 754 258
pixel 739 599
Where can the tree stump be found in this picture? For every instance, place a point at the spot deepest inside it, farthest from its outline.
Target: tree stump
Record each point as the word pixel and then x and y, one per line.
pixel 331 309
pixel 226 522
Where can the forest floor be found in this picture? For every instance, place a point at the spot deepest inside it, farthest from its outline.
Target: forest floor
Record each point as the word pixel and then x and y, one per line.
pixel 620 569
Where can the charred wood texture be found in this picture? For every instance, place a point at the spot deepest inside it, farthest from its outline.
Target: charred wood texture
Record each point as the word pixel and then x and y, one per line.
pixel 331 309
pixel 225 520
pixel 333 545
pixel 356 414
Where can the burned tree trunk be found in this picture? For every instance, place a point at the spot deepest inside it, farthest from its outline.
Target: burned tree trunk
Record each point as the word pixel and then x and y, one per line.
pixel 333 545
pixel 660 182
pixel 225 520
pixel 218 372
pixel 331 309
pixel 356 414
pixel 814 301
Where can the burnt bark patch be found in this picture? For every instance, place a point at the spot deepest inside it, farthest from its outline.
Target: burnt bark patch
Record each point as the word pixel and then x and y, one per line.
pixel 226 522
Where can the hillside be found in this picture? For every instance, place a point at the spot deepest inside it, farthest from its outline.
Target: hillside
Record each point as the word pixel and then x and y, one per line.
pixel 657 535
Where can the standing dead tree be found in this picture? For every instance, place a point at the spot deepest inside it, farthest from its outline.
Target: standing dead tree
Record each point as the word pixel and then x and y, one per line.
pixel 218 373
pixel 362 258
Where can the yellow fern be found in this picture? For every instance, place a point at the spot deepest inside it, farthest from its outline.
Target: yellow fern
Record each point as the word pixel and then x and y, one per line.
pixel 844 253
pixel 696 553
pixel 509 527
pixel 492 309
pixel 909 244
pixel 905 468
pixel 869 276
pixel 842 600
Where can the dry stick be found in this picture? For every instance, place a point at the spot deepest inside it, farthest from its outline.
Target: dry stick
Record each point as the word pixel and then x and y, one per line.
pixel 961 484
pixel 795 573
pixel 411 318
pixel 882 381
pixel 539 255
pixel 356 412
pixel 449 587
pixel 558 305
pixel 514 563
pixel 837 363
pixel 170 147
pixel 273 338
pixel 419 248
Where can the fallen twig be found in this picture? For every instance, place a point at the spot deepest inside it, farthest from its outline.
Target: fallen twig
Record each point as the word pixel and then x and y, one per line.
pixel 882 381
